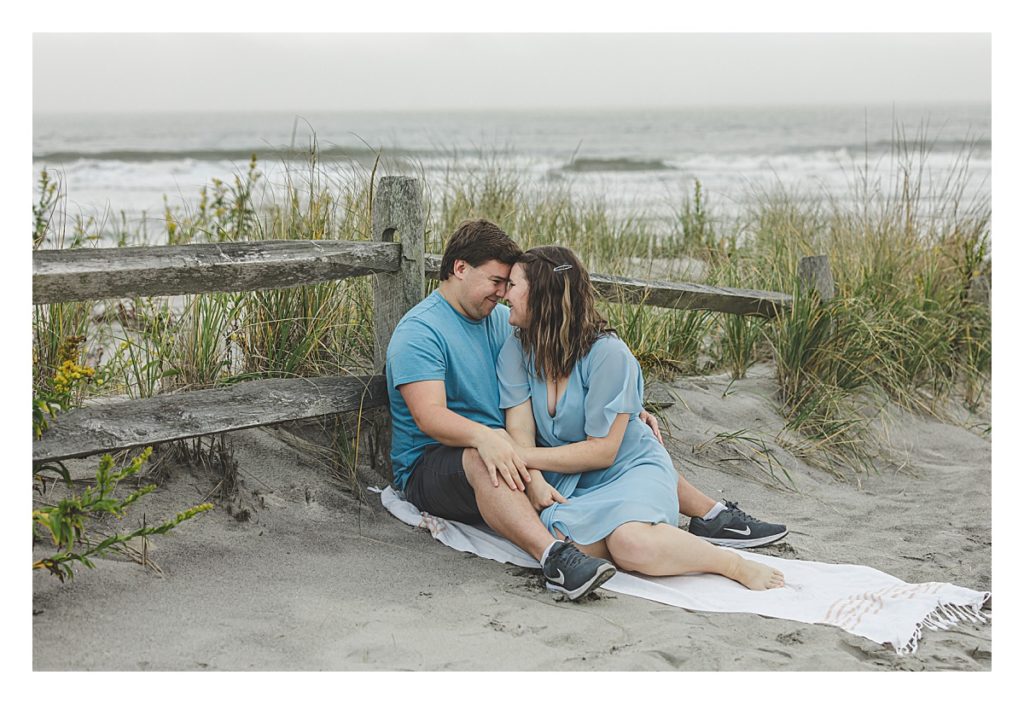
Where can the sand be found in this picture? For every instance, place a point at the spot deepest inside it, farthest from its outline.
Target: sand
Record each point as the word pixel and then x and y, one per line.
pixel 317 579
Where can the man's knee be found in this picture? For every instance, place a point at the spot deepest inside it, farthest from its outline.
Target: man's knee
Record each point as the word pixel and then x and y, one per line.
pixel 483 487
pixel 475 469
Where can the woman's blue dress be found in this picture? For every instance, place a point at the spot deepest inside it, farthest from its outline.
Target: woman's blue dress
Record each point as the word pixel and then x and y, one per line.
pixel 641 483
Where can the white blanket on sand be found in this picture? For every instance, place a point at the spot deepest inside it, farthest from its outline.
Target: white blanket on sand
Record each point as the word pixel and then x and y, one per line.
pixel 860 600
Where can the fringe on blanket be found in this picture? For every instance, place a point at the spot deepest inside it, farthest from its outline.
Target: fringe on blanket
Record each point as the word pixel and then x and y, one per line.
pixel 944 617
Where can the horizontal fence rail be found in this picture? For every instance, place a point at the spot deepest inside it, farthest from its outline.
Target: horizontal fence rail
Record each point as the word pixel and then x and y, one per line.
pixel 687 296
pixel 118 272
pixel 177 416
pixel 669 294
pixel 95 274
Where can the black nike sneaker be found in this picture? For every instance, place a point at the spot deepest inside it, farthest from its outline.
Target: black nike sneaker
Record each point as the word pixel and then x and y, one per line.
pixel 569 571
pixel 736 529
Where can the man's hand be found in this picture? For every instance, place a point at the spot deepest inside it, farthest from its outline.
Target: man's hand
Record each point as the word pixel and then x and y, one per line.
pixel 653 422
pixel 542 494
pixel 428 406
pixel 501 458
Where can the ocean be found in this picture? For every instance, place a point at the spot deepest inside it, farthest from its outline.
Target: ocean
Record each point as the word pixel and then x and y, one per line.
pixel 636 163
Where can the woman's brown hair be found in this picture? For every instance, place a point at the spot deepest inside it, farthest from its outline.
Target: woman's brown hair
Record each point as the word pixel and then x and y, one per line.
pixel 564 322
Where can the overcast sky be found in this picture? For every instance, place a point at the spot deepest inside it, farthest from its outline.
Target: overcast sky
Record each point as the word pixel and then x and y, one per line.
pixel 308 72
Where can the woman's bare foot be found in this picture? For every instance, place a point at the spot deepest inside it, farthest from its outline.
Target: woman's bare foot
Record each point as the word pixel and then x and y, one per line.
pixel 754 575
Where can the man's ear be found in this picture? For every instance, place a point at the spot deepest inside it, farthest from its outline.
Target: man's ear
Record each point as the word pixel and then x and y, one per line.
pixel 459 268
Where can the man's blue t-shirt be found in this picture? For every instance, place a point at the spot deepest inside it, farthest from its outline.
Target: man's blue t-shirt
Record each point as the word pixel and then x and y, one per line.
pixel 433 341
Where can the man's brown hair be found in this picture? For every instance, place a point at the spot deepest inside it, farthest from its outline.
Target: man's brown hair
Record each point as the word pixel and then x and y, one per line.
pixel 477 242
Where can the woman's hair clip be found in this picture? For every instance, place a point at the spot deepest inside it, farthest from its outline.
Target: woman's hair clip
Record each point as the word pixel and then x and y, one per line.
pixel 563 267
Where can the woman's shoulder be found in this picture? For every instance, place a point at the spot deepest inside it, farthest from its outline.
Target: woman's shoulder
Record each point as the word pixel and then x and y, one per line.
pixel 512 345
pixel 510 357
pixel 609 343
pixel 608 346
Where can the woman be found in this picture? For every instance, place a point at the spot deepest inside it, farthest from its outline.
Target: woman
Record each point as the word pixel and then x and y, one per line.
pixel 607 484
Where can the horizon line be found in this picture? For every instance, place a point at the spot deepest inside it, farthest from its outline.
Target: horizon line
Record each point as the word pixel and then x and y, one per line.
pixel 520 108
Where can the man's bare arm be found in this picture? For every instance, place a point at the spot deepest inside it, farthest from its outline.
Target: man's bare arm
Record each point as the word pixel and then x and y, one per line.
pixel 428 405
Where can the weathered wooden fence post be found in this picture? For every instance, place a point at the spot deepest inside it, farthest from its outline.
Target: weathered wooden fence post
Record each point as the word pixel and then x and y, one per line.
pixel 397 216
pixel 816 273
pixel 979 290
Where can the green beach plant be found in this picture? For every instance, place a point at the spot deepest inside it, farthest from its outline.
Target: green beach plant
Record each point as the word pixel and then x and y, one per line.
pixel 665 342
pixel 61 377
pixel 739 340
pixel 145 351
pixel 698 233
pixel 67 524
pixel 746 448
pixel 289 332
pixel 201 355
pixel 818 366
pixel 45 208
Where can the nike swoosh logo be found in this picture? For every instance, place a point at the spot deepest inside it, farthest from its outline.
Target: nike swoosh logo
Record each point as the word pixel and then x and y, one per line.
pixel 559 580
pixel 741 532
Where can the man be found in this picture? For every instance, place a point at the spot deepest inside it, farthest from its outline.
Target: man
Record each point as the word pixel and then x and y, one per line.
pixel 449 452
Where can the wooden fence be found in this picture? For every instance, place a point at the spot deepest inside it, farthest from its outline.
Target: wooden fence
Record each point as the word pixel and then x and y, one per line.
pixel 396 261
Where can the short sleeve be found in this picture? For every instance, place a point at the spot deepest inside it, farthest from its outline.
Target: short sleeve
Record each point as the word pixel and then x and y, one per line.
pixel 614 385
pixel 513 379
pixel 416 354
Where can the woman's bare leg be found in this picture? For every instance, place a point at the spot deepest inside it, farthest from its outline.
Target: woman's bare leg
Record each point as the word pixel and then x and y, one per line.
pixel 692 501
pixel 598 549
pixel 661 550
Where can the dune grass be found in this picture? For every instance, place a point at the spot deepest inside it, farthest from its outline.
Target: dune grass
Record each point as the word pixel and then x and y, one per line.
pixel 907 324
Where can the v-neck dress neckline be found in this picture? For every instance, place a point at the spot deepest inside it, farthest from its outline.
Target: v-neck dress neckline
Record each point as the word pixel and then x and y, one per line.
pixel 558 400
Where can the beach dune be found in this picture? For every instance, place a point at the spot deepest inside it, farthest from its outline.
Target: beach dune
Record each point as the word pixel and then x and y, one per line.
pixel 301 574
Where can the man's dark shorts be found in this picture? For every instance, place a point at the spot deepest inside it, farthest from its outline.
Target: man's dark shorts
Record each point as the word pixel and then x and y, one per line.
pixel 438 485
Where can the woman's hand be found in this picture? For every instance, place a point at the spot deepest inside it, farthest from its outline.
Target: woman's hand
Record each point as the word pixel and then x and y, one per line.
pixel 542 494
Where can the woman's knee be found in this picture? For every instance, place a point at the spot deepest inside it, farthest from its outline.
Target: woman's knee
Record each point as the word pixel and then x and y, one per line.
pixel 630 545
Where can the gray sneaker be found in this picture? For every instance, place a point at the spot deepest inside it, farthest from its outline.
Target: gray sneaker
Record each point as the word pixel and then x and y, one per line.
pixel 569 571
pixel 736 529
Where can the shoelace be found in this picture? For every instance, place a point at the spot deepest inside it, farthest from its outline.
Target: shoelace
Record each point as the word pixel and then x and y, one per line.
pixel 743 516
pixel 575 557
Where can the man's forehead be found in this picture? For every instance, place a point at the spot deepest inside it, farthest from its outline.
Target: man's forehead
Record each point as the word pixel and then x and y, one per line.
pixel 494 267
